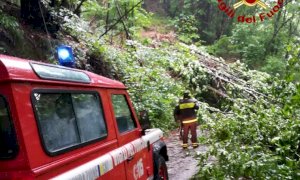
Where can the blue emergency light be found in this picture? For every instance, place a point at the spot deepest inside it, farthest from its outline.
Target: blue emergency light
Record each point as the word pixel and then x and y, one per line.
pixel 65 56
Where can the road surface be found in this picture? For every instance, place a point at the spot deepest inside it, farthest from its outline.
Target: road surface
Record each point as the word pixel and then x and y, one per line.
pixel 182 164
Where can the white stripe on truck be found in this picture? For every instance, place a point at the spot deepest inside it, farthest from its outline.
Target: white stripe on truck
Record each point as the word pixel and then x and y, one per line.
pixel 105 163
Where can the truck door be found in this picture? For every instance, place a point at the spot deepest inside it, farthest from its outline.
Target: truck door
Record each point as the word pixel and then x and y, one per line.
pixel 138 163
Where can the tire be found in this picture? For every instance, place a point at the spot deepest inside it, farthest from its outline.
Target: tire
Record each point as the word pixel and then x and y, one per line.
pixel 162 170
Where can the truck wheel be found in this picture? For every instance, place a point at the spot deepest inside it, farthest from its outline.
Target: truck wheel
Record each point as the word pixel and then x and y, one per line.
pixel 162 169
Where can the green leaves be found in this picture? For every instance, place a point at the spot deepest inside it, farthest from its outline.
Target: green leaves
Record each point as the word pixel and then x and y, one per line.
pixel 257 140
pixel 187 29
pixel 149 76
pixel 11 28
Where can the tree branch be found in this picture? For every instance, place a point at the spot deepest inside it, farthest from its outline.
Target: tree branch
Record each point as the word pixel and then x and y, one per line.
pixel 106 31
pixel 77 10
pixel 124 25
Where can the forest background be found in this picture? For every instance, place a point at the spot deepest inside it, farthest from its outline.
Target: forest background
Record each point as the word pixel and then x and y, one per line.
pixel 246 75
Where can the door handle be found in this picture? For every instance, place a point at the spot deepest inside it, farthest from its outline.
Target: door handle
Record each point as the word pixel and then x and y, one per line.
pixel 130 158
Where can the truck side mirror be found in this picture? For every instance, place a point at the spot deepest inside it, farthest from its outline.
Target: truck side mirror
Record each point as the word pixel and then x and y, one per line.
pixel 144 120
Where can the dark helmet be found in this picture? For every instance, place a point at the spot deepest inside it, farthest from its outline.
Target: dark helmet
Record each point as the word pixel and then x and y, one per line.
pixel 186 94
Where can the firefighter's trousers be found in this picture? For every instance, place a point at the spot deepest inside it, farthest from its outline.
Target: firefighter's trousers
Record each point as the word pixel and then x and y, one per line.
pixel 192 126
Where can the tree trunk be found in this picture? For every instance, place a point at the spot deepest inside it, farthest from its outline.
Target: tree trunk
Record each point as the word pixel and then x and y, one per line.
pixel 167 6
pixel 180 5
pixel 77 10
pixel 123 23
pixel 107 17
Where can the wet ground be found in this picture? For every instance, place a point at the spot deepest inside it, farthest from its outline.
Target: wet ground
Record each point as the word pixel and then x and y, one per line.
pixel 182 163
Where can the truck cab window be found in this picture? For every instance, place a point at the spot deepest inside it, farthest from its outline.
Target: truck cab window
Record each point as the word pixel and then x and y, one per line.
pixel 8 143
pixel 123 114
pixel 68 119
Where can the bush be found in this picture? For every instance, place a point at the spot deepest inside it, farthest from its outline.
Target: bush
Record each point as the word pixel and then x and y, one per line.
pixel 11 28
pixel 187 29
pixel 223 47
pixel 260 139
pixel 274 65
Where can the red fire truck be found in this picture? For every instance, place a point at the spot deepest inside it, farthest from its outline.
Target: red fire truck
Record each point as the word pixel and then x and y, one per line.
pixel 65 123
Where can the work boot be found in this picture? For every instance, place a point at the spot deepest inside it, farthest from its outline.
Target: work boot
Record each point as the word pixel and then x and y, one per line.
pixel 195 145
pixel 184 146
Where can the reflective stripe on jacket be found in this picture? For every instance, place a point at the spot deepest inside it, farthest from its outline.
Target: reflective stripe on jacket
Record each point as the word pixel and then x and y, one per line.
pixel 187 109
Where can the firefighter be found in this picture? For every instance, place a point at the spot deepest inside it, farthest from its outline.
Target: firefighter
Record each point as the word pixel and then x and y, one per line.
pixel 186 111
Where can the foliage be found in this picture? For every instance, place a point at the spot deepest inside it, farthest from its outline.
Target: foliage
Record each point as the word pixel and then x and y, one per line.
pixel 10 25
pixel 188 32
pixel 252 45
pixel 293 64
pixel 253 143
pixel 224 48
pixel 105 14
pixel 256 140
pixel 274 65
pixel 94 12
pixel 258 45
pixel 148 74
